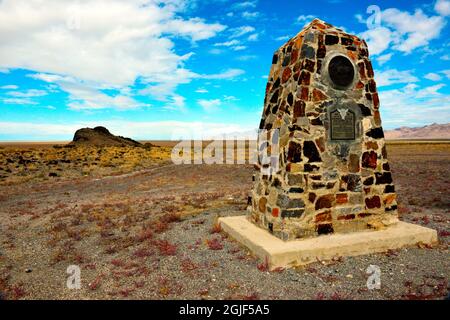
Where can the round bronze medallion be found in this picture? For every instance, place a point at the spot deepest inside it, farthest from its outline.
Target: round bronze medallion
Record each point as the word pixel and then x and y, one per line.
pixel 341 71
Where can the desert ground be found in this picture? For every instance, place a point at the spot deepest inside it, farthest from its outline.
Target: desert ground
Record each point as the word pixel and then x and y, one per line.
pixel 140 227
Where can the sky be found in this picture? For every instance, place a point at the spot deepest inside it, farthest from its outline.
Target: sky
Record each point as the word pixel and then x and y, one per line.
pixel 152 69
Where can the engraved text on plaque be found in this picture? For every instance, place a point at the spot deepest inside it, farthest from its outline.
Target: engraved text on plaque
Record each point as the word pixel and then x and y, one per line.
pixel 342 124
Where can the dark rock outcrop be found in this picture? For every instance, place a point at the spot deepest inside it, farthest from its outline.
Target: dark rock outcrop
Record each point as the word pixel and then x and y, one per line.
pixel 100 136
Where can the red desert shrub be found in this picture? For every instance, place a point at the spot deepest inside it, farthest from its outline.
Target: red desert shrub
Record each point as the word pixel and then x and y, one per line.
pixel 166 248
pixel 214 244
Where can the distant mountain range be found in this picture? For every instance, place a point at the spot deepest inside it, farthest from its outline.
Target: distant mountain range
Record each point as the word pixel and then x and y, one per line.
pixel 432 131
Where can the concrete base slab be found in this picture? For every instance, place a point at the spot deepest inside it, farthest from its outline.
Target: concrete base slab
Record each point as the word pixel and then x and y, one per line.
pixel 292 253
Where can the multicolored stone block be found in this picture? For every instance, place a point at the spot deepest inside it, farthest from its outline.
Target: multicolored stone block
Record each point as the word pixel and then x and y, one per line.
pixel 333 174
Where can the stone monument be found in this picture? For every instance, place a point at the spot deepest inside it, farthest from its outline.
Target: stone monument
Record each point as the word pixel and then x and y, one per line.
pixel 323 130
pixel 334 175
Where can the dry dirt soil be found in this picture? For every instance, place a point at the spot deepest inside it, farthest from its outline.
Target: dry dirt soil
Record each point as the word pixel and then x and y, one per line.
pixel 140 227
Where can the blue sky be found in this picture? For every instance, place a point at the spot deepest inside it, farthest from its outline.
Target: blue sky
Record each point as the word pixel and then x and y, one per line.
pixel 162 69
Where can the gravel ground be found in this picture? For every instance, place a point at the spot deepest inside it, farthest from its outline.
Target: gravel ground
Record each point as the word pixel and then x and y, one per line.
pixel 152 235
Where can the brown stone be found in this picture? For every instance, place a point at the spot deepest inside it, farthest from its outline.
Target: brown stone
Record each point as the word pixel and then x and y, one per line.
pixel 341 198
pixel 369 159
pixel 362 71
pixel 372 203
pixel 304 93
pixel 376 100
pixel 353 181
pixel 325 201
pixel 347 217
pixel 304 78
pixel 364 215
pixel 319 95
pixel 372 145
pixel 294 152
pixel 321 51
pixel 323 217
pixel 286 75
pixel 321 144
pixel 369 68
pixel 372 86
pixel 352 55
pixel 294 56
pixel 262 204
pixel 311 197
pixel 376 118
pixel 359 85
pixel 308 65
pixel 353 163
pixel 299 109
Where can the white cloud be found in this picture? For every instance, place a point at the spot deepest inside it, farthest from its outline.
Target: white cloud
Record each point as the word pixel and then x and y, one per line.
pixel 446 72
pixel 209 105
pixel 227 74
pixel 227 43
pixel 403 31
pixel 21 97
pixel 84 96
pixel 442 7
pixel 393 76
pixel 433 76
pixel 176 102
pixel 250 15
pixel 378 39
pixel 9 87
pixel 201 90
pixel 27 94
pixel 20 101
pixel 194 28
pixel 163 90
pixel 245 4
pixel 101 43
pixel 240 31
pixel 87 96
pixel 445 57
pixel 303 18
pixel 429 91
pixel 412 106
pixel 230 98
pixel 253 37
pixel 239 48
pixel 384 58
pixel 282 38
pixel 247 57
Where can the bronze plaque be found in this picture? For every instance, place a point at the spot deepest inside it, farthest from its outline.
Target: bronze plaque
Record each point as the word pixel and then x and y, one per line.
pixel 342 124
